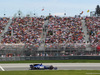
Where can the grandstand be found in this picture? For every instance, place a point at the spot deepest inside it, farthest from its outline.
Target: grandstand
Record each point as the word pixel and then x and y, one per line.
pixel 49 36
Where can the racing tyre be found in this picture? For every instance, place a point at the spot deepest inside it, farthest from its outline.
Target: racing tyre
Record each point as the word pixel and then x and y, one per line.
pixel 51 67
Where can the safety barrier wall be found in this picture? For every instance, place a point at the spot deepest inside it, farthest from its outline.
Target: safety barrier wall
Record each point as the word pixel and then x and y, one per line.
pixel 49 58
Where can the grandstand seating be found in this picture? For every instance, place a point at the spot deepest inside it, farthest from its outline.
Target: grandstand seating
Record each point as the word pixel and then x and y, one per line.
pixel 64 31
pixel 25 30
pixel 27 35
pixel 93 27
pixel 61 32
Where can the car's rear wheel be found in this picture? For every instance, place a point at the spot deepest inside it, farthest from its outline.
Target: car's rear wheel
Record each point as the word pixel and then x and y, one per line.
pixel 51 67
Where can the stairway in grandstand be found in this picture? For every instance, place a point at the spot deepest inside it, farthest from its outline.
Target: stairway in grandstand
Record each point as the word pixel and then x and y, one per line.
pixel 43 36
pixel 6 28
pixel 85 31
pixel 86 36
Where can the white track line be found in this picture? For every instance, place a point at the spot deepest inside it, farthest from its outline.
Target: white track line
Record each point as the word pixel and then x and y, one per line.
pixel 2 68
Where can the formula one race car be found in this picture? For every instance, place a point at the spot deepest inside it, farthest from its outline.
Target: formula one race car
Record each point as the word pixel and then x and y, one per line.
pixel 42 67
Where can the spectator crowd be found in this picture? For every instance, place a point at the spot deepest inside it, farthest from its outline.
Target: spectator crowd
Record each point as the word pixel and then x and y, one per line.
pixel 93 27
pixel 64 32
pixel 24 30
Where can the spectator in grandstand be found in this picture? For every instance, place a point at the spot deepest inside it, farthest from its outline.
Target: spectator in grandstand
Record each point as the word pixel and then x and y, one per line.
pixel 26 30
pixel 64 30
pixel 93 26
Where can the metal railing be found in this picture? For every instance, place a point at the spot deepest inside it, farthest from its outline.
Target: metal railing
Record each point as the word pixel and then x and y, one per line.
pixel 16 50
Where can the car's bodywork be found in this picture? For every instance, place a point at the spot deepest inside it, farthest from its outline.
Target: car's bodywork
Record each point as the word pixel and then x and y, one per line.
pixel 41 67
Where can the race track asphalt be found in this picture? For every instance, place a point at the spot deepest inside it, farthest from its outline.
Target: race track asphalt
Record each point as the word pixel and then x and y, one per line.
pixel 60 66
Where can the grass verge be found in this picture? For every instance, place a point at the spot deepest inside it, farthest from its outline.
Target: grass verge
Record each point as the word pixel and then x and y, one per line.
pixel 52 72
pixel 53 61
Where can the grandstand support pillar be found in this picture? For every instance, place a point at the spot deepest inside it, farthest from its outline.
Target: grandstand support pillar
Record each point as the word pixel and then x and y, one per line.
pixel 57 52
pixel 70 51
pixel 95 51
pixel 12 32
